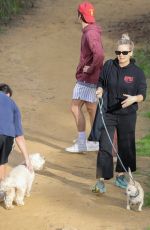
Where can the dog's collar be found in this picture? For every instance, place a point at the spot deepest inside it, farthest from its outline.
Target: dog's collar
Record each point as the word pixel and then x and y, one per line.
pixel 136 194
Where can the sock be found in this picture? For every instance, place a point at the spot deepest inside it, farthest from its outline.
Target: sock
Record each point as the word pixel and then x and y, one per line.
pixel 82 136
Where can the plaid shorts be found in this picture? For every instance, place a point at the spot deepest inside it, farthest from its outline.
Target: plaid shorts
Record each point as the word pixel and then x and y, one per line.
pixel 85 92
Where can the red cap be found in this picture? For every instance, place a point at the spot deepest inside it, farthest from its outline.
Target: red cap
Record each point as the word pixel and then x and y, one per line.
pixel 87 10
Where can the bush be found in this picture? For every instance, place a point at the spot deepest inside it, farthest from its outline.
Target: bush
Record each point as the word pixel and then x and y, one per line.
pixel 147 199
pixel 142 57
pixel 143 146
pixel 8 8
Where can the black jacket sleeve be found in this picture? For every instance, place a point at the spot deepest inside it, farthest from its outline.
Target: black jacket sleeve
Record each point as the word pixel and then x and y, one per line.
pixel 142 86
pixel 102 82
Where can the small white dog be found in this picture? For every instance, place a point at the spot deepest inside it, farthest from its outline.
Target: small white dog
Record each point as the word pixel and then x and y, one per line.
pixel 18 183
pixel 135 193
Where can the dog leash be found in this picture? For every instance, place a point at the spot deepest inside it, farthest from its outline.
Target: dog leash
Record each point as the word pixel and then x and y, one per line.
pixel 100 106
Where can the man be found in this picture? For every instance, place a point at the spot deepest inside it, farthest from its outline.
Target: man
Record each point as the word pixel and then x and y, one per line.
pixel 87 74
pixel 10 128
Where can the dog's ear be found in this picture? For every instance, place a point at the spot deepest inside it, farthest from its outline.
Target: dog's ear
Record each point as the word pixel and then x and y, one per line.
pixel 131 180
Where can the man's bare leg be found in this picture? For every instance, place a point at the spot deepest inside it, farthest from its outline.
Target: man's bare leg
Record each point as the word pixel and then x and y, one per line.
pixel 76 109
pixel 91 109
pixel 80 144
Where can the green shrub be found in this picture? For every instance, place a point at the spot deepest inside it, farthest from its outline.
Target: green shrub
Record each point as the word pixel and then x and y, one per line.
pixel 8 8
pixel 142 57
pixel 147 199
pixel 147 114
pixel 143 146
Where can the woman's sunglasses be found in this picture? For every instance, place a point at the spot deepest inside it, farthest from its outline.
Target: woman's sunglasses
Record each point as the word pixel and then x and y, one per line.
pixel 122 52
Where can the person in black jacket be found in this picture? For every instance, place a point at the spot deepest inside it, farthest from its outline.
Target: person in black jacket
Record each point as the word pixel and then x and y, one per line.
pixel 126 86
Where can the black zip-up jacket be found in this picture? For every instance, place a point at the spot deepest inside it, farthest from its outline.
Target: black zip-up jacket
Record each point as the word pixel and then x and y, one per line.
pixel 117 81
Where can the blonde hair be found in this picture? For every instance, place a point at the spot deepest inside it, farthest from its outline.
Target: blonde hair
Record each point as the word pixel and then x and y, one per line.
pixel 125 40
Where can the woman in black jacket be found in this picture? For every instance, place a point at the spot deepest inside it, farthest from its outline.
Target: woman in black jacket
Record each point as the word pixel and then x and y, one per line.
pixel 126 87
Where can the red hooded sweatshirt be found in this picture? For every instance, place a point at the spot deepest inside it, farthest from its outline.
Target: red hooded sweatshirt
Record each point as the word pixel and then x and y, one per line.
pixel 92 54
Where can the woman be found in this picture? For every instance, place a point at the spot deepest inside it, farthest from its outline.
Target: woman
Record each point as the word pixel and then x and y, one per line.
pixel 10 129
pixel 126 87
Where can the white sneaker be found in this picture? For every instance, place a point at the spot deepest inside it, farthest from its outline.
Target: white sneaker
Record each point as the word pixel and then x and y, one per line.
pixel 77 147
pixel 87 146
pixel 92 146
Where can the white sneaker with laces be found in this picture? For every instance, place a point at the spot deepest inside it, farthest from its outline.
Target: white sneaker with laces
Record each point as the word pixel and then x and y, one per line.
pixel 79 146
pixel 82 146
pixel 92 146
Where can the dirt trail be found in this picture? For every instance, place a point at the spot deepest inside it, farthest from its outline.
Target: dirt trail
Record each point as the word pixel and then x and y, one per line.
pixel 38 59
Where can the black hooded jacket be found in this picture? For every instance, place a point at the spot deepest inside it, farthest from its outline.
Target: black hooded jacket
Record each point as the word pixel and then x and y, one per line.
pixel 122 80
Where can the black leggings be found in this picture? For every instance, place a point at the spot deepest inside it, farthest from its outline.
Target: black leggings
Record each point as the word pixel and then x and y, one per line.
pixel 125 127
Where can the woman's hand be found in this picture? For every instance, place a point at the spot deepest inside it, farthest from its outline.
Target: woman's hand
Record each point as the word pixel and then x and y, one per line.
pixel 99 92
pixel 128 101
pixel 29 165
pixel 22 146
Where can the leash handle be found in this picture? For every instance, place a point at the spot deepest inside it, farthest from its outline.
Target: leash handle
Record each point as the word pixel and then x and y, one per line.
pixel 100 102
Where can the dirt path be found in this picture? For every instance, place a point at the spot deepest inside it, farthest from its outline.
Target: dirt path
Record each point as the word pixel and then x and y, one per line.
pixel 38 59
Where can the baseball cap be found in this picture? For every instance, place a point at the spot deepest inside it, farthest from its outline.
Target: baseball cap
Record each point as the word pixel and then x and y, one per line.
pixel 87 10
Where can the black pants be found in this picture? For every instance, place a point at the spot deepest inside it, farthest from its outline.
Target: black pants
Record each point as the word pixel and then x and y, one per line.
pixel 125 127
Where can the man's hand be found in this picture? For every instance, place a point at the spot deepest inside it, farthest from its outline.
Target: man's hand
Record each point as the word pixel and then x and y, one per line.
pixel 85 69
pixel 128 101
pixel 99 92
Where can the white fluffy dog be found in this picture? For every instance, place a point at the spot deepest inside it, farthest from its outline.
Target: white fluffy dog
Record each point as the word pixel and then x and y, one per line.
pixel 18 183
pixel 135 193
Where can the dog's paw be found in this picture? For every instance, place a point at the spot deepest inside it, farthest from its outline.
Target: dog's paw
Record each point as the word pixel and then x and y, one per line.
pixel 28 195
pixel 20 203
pixel 10 207
pixel 140 207
pixel 128 207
